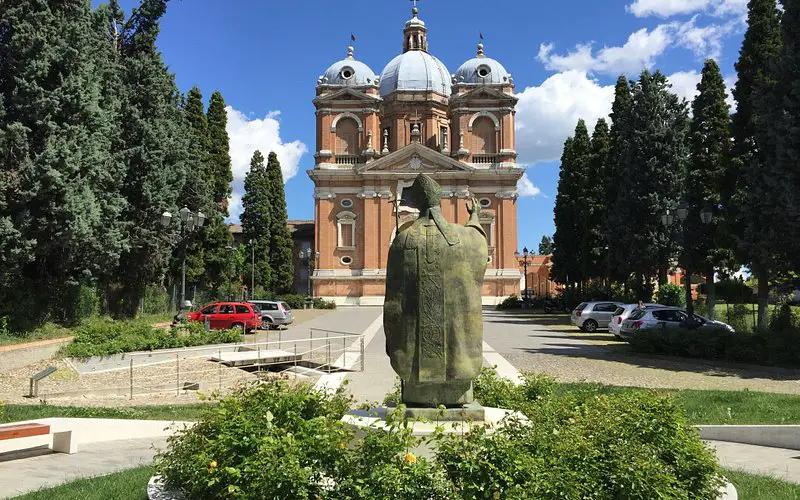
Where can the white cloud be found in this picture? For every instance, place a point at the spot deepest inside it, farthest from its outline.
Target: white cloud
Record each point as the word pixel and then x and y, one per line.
pixel 547 114
pixel 525 187
pixel 248 135
pixel 668 8
pixel 703 41
pixel 638 52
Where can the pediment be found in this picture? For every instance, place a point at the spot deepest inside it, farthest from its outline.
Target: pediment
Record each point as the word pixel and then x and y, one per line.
pixel 484 93
pixel 347 94
pixel 414 158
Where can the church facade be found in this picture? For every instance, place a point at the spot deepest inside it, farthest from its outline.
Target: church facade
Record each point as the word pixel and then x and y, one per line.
pixel 376 133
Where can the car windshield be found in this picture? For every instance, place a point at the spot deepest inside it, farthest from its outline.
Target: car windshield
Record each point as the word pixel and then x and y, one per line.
pixel 637 314
pixel 581 306
pixel 286 306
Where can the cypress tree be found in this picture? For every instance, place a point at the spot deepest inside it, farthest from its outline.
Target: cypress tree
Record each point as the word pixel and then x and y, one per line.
pixel 219 150
pixel 710 150
pixel 280 243
pixel 598 175
pixel 153 148
pixel 747 192
pixel 617 229
pixel 658 160
pixel 565 238
pixel 546 245
pixel 581 164
pixel 256 220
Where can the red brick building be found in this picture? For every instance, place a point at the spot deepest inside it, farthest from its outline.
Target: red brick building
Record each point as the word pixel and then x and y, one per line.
pixel 376 133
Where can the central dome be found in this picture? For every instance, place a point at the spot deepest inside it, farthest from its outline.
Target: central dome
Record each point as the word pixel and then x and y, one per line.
pixel 415 70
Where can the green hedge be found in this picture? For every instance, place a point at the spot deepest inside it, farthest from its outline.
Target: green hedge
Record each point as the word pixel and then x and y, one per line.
pixel 276 440
pixel 778 344
pixel 104 336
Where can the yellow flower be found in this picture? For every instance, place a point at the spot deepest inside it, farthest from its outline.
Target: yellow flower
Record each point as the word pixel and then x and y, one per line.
pixel 213 464
pixel 410 458
pixel 341 446
pixel 496 495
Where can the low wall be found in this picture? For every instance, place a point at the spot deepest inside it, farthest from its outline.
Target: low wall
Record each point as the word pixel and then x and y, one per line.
pixel 776 436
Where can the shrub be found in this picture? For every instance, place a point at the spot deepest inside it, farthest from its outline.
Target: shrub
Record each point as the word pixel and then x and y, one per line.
pixel 671 295
pixel 104 336
pixel 510 302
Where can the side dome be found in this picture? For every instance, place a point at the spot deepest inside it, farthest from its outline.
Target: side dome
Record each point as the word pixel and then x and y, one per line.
pixel 348 73
pixel 482 70
pixel 415 70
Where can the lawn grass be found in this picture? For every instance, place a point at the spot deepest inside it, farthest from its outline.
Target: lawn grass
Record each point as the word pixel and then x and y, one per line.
pixel 189 412
pixel 714 407
pixel 130 484
pixel 756 487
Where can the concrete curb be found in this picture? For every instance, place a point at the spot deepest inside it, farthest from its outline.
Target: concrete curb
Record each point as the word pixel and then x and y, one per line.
pixel 775 436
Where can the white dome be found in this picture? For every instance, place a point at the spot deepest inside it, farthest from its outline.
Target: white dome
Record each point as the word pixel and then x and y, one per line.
pixel 348 73
pixel 415 70
pixel 482 70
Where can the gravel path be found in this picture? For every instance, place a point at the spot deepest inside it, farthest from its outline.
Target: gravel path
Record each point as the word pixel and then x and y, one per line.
pixel 547 344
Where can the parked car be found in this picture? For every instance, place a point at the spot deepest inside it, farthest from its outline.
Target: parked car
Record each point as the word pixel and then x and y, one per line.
pixel 589 316
pixel 228 315
pixel 274 312
pixel 622 313
pixel 667 317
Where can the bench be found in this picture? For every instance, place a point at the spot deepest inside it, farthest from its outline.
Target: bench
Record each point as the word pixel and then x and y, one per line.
pixel 62 441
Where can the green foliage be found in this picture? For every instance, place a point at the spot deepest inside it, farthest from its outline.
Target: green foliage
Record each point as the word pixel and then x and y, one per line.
pixel 510 302
pixel 777 344
pixel 256 219
pixel 599 173
pixel 104 336
pixel 128 484
pixel 295 301
pixel 546 245
pixel 671 295
pixel 185 412
pixel 219 150
pixel 280 242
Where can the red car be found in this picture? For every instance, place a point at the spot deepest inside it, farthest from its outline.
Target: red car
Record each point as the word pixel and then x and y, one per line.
pixel 228 315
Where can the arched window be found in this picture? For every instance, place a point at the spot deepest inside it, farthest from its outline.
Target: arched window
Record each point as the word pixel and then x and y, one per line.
pixel 346 137
pixel 484 136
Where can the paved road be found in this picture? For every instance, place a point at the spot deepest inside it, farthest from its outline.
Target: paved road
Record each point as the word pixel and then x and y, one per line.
pixel 776 462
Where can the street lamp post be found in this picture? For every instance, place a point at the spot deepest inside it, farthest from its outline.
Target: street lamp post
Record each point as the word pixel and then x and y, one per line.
pixel 667 219
pixel 524 264
pixel 189 221
pixel 252 269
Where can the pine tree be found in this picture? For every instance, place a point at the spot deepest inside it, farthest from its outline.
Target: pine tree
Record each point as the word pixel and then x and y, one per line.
pixel 747 195
pixel 581 163
pixel 598 175
pixel 280 244
pixel 154 148
pixel 617 229
pixel 710 153
pixel 658 160
pixel 256 220
pixel 546 245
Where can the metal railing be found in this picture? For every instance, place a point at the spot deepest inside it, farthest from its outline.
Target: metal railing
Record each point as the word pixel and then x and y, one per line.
pixel 192 369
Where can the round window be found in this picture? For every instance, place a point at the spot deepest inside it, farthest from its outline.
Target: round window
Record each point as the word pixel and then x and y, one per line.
pixel 484 71
pixel 347 203
pixel 347 72
pixel 346 260
pixel 485 202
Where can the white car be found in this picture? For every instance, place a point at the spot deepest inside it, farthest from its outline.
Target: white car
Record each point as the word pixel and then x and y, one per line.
pixel 622 313
pixel 668 317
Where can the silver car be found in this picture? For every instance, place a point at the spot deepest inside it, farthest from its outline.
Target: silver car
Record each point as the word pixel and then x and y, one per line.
pixel 274 313
pixel 589 316
pixel 667 317
pixel 622 313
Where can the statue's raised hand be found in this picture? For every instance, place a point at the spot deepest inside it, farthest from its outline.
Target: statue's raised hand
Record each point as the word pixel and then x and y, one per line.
pixel 473 207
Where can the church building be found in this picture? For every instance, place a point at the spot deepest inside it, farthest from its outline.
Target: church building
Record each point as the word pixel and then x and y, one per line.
pixel 376 133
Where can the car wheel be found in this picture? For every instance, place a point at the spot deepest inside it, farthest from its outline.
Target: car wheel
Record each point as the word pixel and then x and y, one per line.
pixel 590 326
pixel 269 324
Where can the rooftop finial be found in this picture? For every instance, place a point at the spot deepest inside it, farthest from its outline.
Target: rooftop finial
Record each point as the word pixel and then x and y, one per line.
pixel 480 46
pixel 414 9
pixel 350 47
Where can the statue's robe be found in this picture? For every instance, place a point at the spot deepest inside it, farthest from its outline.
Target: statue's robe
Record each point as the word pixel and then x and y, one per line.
pixel 432 309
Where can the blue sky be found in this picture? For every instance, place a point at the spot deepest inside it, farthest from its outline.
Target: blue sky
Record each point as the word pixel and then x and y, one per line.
pixel 265 57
